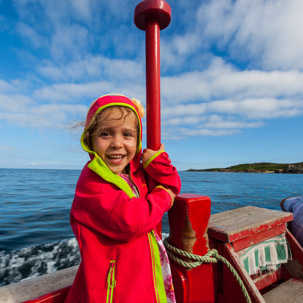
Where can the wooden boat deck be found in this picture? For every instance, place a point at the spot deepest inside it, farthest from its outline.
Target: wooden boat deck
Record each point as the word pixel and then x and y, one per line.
pixel 39 286
pixel 231 226
pixel 290 291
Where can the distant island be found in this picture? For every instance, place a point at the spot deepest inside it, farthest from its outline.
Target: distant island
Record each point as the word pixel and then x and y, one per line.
pixel 262 167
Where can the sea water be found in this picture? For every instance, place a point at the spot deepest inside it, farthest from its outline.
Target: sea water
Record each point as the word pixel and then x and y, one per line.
pixel 35 234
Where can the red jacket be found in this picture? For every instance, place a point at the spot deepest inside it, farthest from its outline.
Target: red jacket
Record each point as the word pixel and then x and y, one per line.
pixel 115 230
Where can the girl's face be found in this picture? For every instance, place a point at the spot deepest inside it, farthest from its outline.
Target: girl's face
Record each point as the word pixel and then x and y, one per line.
pixel 116 140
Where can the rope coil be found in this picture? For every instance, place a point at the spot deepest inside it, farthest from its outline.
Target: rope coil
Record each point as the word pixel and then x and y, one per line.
pixel 212 256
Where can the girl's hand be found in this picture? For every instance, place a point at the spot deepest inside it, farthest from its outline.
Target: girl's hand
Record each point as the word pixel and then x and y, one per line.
pixel 148 153
pixel 171 194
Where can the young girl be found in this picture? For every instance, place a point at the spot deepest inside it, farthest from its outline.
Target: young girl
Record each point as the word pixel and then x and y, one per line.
pixel 117 205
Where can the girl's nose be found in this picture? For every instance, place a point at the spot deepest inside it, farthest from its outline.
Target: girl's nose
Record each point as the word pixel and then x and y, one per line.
pixel 116 142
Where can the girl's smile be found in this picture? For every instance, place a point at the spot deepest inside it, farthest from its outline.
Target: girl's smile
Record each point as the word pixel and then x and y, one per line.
pixel 116 142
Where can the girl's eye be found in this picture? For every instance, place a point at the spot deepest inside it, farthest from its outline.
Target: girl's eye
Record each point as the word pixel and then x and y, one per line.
pixel 129 134
pixel 104 134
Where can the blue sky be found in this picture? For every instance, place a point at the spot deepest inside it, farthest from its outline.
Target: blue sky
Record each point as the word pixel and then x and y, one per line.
pixel 231 78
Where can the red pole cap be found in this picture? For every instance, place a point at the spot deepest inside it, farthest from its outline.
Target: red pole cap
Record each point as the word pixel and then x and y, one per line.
pixel 150 10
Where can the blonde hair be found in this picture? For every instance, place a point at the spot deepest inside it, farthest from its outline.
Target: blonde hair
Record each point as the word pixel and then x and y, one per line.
pixel 139 107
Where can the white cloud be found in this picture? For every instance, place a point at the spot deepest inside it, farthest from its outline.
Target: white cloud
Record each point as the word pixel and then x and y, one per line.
pixel 222 80
pixel 5 86
pixel 82 8
pixel 226 116
pixel 13 103
pixel 73 92
pixel 70 92
pixel 203 132
pixel 205 125
pixel 69 42
pixel 181 110
pixel 264 31
pixel 55 11
pixel 21 110
pixel 262 108
pixel 55 116
pixel 93 68
pixel 189 120
pixel 31 35
pixel 68 29
pixel 176 49
pixel 216 121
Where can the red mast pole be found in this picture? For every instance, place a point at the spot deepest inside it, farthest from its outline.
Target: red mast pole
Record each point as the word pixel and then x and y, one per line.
pixel 189 216
pixel 153 16
pixel 153 98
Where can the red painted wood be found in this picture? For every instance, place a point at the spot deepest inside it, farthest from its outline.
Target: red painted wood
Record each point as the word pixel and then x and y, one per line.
pixel 57 296
pixel 267 279
pixel 260 228
pixel 259 237
pixel 297 256
pixel 153 16
pixel 188 220
pixel 180 282
pixel 231 291
pixel 216 233
pixel 296 248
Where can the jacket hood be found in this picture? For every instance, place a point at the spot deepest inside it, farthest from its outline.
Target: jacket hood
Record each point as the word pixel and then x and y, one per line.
pixel 96 107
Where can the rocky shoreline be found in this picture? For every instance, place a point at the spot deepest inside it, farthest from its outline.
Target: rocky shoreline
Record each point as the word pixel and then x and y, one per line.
pixel 294 168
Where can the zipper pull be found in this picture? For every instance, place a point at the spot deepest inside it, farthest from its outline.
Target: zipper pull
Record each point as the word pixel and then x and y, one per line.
pixel 110 282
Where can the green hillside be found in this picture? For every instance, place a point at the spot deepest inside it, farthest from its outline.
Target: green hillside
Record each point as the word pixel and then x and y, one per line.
pixel 262 167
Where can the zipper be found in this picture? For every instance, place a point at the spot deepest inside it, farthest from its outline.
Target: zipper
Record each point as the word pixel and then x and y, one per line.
pixel 111 281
